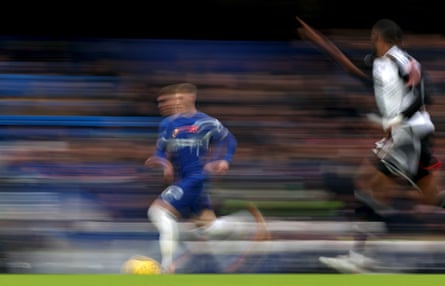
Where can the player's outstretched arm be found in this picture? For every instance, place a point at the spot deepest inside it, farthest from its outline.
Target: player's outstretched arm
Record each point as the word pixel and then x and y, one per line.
pixel 308 33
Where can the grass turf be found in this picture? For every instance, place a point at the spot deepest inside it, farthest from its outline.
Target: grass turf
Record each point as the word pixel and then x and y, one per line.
pixel 222 279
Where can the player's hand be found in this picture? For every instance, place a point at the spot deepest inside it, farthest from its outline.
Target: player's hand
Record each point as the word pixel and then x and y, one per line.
pixel 379 144
pixel 218 167
pixel 390 123
pixel 168 175
pixel 155 161
pixel 168 170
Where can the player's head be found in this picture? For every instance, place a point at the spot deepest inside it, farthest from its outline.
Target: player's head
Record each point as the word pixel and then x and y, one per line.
pixel 186 94
pixel 385 33
pixel 186 88
pixel 177 98
pixel 167 102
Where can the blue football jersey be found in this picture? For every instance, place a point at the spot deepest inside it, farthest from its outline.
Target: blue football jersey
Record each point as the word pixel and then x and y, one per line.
pixel 189 141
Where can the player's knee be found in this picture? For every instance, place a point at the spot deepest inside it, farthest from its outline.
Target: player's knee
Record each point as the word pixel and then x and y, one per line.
pixel 205 218
pixel 157 212
pixel 164 221
pixel 160 207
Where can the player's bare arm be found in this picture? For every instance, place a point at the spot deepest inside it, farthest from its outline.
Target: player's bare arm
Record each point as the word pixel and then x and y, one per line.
pixel 218 167
pixel 156 161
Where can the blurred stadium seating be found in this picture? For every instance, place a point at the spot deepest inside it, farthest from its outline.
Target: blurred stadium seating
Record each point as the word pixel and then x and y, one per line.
pixel 79 119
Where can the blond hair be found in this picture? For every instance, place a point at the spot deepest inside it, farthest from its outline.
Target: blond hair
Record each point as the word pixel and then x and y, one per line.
pixel 183 87
pixel 169 89
pixel 186 87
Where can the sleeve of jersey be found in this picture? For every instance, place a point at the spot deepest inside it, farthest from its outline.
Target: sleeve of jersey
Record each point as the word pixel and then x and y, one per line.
pixel 226 142
pixel 414 106
pixel 413 70
pixel 231 146
pixel 409 67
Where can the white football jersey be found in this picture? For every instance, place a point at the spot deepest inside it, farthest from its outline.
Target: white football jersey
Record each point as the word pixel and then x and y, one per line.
pixel 391 94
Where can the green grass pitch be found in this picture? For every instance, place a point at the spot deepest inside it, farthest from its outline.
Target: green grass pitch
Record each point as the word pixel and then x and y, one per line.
pixel 223 279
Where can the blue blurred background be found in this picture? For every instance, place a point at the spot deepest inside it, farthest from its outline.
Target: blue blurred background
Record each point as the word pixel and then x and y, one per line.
pixel 78 118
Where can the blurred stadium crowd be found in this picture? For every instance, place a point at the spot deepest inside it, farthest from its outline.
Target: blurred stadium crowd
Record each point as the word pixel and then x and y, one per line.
pixel 78 119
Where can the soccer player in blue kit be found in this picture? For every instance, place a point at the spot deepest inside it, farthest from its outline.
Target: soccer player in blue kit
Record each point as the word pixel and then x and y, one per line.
pixel 191 147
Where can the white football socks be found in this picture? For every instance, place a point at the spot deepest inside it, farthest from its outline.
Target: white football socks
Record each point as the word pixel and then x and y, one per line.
pixel 224 227
pixel 168 234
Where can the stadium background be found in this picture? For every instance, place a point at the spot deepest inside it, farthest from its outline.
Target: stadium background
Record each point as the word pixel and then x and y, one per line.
pixel 78 118
pixel 218 19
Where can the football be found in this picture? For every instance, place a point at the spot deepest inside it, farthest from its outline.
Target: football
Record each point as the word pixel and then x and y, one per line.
pixel 141 265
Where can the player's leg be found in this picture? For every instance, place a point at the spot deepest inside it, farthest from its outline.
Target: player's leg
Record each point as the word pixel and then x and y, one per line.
pixel 428 175
pixel 212 227
pixel 215 228
pixel 173 203
pixel 386 177
pixel 372 204
pixel 429 185
pixel 234 226
pixel 374 186
pixel 164 217
pixel 357 260
pixel 176 201
pixel 262 232
pixel 382 195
